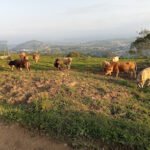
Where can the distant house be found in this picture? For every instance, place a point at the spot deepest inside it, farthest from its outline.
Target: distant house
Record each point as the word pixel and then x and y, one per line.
pixel 25 50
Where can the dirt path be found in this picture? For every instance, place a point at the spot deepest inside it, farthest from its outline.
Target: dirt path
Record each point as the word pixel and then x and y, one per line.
pixel 13 137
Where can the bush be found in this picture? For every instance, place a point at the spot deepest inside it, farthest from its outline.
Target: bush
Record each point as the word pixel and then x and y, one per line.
pixel 132 52
pixel 74 54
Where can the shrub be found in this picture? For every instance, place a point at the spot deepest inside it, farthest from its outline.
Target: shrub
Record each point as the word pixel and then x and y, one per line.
pixel 74 54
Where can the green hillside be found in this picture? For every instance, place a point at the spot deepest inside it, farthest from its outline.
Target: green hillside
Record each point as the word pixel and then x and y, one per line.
pixel 81 106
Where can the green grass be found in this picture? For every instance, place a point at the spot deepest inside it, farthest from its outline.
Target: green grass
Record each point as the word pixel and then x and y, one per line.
pixel 83 106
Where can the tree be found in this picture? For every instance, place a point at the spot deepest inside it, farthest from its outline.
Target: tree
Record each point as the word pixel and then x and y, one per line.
pixel 144 33
pixel 142 43
pixel 74 54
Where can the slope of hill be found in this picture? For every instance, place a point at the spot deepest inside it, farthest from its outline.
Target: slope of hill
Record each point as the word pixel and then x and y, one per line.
pixel 95 48
pixel 82 105
pixel 31 46
pixel 113 44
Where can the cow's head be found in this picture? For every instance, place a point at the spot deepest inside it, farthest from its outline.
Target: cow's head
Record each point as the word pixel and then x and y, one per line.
pixel 56 63
pixel 108 68
pixel 140 84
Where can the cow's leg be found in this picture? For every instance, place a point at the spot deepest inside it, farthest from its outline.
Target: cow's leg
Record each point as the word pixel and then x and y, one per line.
pixel 117 73
pixel 131 74
pixel 135 74
pixel 12 68
pixel 27 68
pixel 68 67
pixel 59 67
pixel 148 84
pixel 142 84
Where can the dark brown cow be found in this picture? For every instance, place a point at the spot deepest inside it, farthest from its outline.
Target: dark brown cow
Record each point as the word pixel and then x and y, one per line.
pixel 116 67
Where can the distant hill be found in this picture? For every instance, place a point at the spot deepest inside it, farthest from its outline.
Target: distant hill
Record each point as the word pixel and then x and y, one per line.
pixel 114 44
pixel 94 48
pixel 32 45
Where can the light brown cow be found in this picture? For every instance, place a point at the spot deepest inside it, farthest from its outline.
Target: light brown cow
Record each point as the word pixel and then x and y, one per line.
pixel 36 57
pixel 143 77
pixel 22 55
pixel 116 67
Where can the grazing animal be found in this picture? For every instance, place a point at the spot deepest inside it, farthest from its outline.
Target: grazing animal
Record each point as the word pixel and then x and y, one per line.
pixel 63 63
pixel 36 57
pixel 115 59
pixel 8 57
pixel 143 77
pixel 22 55
pixel 106 63
pixel 19 64
pixel 116 67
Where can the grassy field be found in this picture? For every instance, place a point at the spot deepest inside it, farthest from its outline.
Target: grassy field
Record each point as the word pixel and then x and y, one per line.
pixel 82 106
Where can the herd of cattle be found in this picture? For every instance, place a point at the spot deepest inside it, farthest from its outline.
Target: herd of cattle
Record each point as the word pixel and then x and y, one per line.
pixel 114 66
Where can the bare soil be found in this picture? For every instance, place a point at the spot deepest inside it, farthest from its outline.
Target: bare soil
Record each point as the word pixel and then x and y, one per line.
pixel 14 137
pixel 22 89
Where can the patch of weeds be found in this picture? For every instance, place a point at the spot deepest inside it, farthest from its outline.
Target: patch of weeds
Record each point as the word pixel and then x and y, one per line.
pixel 116 109
pixel 131 115
pixel 73 124
pixel 87 101
pixel 125 83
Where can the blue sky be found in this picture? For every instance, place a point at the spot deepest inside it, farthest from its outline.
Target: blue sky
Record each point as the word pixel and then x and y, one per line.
pixel 66 20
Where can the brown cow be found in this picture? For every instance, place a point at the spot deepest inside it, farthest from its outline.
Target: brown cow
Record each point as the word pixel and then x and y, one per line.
pixel 36 57
pixel 116 67
pixel 19 64
pixel 63 63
